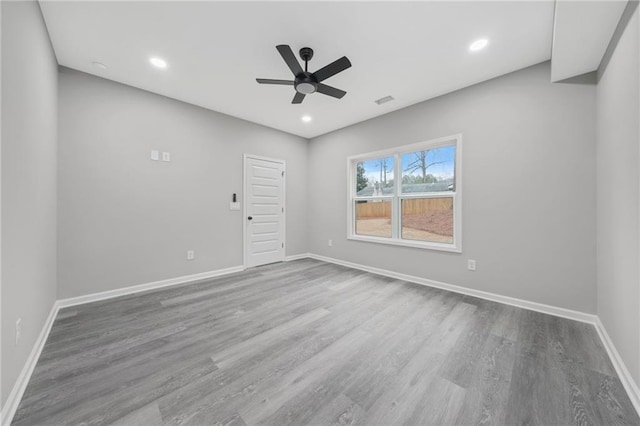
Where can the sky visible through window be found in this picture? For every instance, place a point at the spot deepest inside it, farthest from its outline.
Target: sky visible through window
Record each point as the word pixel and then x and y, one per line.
pixel 439 163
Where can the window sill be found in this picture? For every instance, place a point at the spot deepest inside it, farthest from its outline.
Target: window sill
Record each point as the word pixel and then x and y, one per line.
pixel 407 243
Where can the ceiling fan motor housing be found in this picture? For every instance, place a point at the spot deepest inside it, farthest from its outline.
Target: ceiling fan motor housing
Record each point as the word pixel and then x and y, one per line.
pixel 305 83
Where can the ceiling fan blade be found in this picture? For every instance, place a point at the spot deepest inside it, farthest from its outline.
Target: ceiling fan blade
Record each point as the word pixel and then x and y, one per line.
pixel 270 81
pixel 331 91
pixel 297 99
pixel 289 58
pixel 332 69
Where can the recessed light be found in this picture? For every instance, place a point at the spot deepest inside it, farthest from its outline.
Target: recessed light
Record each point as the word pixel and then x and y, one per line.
pixel 478 44
pixel 306 118
pixel 99 65
pixel 158 62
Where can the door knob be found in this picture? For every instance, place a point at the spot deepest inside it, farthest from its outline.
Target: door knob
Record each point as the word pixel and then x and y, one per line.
pixel 250 217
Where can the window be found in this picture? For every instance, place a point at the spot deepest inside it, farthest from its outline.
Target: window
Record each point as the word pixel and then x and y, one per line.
pixel 410 195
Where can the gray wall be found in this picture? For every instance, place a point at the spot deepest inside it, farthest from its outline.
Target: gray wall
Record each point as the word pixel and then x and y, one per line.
pixel 29 120
pixel 124 219
pixel 618 197
pixel 529 198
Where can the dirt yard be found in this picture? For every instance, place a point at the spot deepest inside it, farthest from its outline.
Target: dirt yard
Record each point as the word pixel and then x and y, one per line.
pixel 439 222
pixel 432 226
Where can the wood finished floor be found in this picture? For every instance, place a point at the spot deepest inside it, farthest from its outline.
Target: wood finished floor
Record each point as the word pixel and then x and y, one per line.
pixel 308 342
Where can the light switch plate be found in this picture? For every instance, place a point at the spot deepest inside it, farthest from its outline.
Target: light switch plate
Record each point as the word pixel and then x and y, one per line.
pixel 155 155
pixel 234 206
pixel 166 156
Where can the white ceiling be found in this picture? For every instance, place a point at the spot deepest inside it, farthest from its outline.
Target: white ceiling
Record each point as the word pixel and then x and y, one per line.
pixel 412 51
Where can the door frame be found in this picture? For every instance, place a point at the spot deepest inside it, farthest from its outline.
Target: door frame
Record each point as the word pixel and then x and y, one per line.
pixel 245 247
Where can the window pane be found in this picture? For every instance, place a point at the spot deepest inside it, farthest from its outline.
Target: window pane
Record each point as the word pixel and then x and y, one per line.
pixel 431 170
pixel 373 218
pixel 428 219
pixel 374 177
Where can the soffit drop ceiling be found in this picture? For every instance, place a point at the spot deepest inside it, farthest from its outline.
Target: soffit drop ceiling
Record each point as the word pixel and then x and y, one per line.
pixel 412 51
pixel 582 32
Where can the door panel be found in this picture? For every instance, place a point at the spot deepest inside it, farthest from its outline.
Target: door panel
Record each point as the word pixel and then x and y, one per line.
pixel 264 231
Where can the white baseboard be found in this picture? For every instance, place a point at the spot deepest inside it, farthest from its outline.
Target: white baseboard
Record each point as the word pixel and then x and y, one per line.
pixel 520 303
pixel 297 257
pixel 94 297
pixel 11 405
pixel 623 373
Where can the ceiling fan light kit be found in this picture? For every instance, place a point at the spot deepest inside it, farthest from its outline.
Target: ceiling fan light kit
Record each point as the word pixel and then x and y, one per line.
pixel 305 82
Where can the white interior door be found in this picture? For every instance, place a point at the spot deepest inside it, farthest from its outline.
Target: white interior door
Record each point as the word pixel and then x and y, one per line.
pixel 264 211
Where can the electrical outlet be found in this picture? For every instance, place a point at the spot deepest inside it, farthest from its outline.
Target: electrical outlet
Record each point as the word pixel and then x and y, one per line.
pixel 471 264
pixel 330 243
pixel 166 156
pixel 155 155
pixel 191 254
pixel 18 330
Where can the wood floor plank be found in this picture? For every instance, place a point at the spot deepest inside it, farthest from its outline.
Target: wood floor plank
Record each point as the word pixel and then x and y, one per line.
pixel 326 364
pixel 307 342
pixel 340 411
pixel 506 322
pixel 461 362
pixel 382 352
pixel 246 381
pixel 177 338
pixel 149 415
pixel 106 403
pixel 487 394
pixel 247 348
pixel 439 404
pixel 373 376
pixel 405 393
pixel 610 399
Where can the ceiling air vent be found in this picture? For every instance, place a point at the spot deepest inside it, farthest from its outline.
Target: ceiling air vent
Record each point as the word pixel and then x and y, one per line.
pixel 384 100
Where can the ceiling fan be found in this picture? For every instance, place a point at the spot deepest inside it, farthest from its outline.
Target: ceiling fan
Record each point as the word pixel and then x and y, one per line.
pixel 306 82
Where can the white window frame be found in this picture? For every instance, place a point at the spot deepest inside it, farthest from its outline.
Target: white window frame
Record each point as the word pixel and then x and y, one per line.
pixel 397 196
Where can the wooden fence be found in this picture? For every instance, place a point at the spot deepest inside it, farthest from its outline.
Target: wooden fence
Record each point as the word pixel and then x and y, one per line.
pixel 411 206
